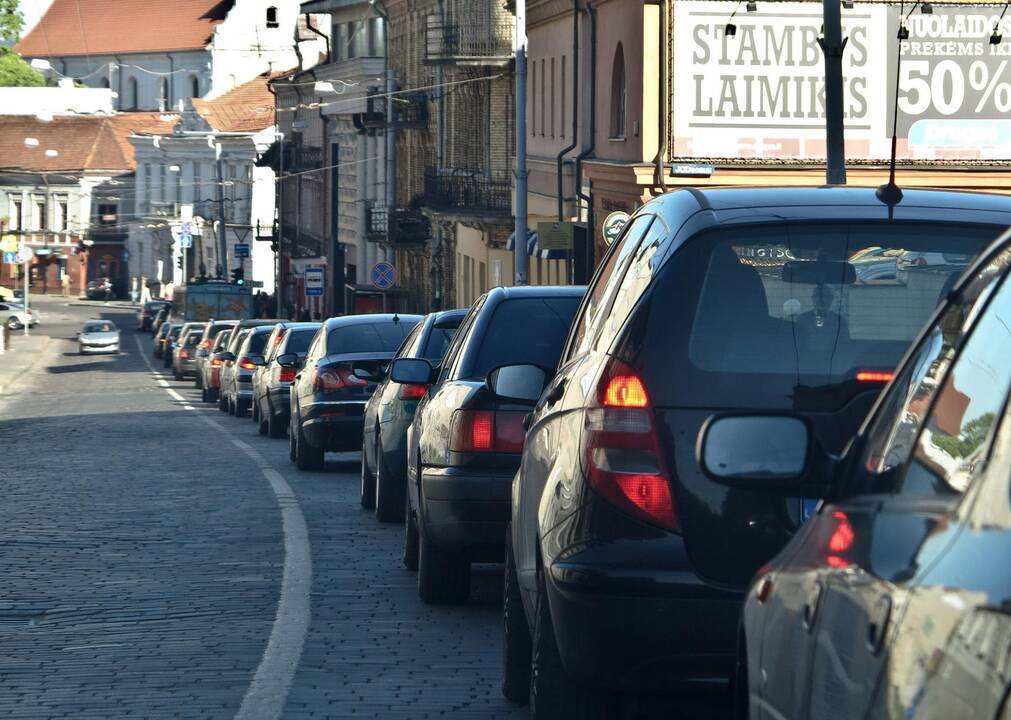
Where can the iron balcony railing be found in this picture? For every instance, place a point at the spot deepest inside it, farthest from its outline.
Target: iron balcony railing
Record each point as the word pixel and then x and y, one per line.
pixel 409 226
pixel 476 194
pixel 469 38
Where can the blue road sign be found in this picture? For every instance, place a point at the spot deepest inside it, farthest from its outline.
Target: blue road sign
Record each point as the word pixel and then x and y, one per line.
pixel 11 258
pixel 314 283
pixel 383 276
pixel 241 250
pixel 185 241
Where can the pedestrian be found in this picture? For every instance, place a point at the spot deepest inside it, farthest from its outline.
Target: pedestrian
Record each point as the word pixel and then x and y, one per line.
pixel 108 291
pixel 66 283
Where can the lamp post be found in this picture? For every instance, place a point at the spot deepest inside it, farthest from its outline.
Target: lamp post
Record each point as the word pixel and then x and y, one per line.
pixel 280 219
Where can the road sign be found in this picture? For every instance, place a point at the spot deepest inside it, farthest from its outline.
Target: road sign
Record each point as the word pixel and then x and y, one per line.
pixel 383 276
pixel 314 282
pixel 9 243
pixel 256 284
pixel 613 225
pixel 241 250
pixel 11 258
pixel 185 241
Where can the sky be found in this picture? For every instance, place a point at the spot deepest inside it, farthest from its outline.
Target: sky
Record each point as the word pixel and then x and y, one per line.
pixel 32 10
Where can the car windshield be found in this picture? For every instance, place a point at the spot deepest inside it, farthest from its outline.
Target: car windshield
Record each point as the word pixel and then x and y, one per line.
pixel 100 327
pixel 367 337
pixel 526 330
pixel 788 315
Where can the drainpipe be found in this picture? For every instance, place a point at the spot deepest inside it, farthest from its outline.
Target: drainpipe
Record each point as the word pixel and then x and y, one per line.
pixel 588 152
pixel 326 39
pixel 575 108
pixel 171 83
pixel 660 172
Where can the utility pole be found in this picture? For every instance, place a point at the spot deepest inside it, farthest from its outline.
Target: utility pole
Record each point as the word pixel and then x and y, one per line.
pixel 832 45
pixel 222 240
pixel 280 221
pixel 520 42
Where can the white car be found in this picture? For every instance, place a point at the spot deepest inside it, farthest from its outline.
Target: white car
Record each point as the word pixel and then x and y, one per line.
pixel 13 315
pixel 98 336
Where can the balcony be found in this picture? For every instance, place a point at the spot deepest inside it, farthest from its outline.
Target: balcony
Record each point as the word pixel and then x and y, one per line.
pixel 469 40
pixel 409 226
pixel 468 195
pixel 376 221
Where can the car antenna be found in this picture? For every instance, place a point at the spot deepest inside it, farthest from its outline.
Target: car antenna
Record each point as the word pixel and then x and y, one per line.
pixel 396 317
pixel 890 193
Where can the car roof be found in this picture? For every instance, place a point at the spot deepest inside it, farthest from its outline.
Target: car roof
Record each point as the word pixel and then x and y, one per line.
pixel 346 320
pixel 537 291
pixel 260 329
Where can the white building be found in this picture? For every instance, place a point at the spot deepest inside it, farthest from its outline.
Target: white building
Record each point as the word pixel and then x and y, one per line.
pixel 158 55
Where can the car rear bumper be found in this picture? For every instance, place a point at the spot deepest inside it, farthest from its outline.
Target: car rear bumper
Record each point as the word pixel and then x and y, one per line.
pixel 467 509
pixel 634 616
pixel 335 426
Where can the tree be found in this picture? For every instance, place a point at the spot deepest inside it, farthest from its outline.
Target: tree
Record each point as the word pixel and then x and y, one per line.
pixel 15 72
pixel 12 22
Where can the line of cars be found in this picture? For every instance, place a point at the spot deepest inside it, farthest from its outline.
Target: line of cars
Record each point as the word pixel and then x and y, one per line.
pixel 689 470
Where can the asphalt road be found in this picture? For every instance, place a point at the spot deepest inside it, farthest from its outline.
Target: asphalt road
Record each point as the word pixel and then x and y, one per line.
pixel 161 559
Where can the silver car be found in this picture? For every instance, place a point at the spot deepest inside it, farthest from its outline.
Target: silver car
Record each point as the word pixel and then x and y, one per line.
pixel 98 336
pixel 14 315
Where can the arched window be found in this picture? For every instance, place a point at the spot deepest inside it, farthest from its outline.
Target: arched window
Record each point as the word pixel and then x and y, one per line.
pixel 105 83
pixel 132 99
pixel 272 17
pixel 163 97
pixel 618 94
pixel 194 86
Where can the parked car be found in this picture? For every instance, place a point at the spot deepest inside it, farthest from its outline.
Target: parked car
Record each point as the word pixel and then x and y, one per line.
pixel 147 312
pixel 207 335
pixel 161 316
pixel 172 347
pixel 241 359
pixel 211 370
pixel 158 339
pixel 272 381
pixel 346 360
pixel 15 316
pixel 98 289
pixel 98 336
pixel 388 415
pixel 894 600
pixel 227 369
pixel 168 343
pixel 184 358
pixel 463 447
pixel 627 564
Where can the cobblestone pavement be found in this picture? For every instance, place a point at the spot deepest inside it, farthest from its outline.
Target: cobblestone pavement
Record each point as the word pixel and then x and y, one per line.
pixel 142 560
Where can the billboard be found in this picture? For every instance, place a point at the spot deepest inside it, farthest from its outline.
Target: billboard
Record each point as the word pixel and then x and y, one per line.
pixel 761 92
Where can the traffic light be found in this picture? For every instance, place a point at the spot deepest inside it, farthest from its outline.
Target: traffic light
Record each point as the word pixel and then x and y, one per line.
pixel 239 276
pixel 179 261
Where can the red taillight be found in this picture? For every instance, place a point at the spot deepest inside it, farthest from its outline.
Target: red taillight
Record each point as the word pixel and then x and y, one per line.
pixel 247 364
pixel 287 375
pixel 486 431
pixel 411 391
pixel 874 377
pixel 621 450
pixel 217 362
pixel 184 354
pixel 842 539
pixel 206 344
pixel 330 378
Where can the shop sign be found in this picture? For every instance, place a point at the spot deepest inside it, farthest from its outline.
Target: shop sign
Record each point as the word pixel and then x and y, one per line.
pixel 554 235
pixel 613 225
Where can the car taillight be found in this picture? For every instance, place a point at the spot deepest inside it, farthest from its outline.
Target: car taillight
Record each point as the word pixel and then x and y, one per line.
pixel 329 378
pixel 486 431
pixel 621 451
pixel 412 391
pixel 216 361
pixel 184 354
pixel 871 376
pixel 247 364
pixel 287 375
pixel 206 344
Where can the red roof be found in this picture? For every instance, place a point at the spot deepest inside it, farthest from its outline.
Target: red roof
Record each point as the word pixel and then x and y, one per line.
pixel 102 27
pixel 88 142
pixel 246 108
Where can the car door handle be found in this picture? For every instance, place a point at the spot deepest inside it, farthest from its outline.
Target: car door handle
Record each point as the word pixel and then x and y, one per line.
pixel 877 625
pixel 555 393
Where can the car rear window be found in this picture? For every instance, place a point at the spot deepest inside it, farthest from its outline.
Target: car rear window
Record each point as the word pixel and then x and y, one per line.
pixel 298 340
pixel 787 315
pixel 367 337
pixel 437 342
pixel 257 342
pixel 525 330
pixel 193 339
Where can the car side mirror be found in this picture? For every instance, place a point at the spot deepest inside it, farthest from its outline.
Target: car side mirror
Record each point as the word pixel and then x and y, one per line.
pixel 203 352
pixel 257 360
pixel 411 371
pixel 517 383
pixel 774 453
pixel 227 356
pixel 287 360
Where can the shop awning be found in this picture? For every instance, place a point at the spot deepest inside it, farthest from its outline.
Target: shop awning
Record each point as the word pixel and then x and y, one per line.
pixel 532 248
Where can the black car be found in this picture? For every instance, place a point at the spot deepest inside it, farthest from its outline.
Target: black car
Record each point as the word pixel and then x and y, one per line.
pixel 894 600
pixel 627 564
pixel 98 289
pixel 464 445
pixel 346 360
pixel 147 312
pixel 389 414
pixel 272 381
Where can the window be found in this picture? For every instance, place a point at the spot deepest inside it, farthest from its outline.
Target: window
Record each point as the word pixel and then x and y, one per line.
pixel 61 222
pixel 533 101
pixel 132 96
pixel 38 213
pixel 194 86
pixel 198 190
pixel 163 177
pixel 376 37
pixel 367 337
pixel 147 197
pixel 108 214
pixel 16 219
pixel 525 330
pixel 543 102
pixel 618 94
pixel 563 82
pixel 164 100
pixel 553 97
pixel 272 17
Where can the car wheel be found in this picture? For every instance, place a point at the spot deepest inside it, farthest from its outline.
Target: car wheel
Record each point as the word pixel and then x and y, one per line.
pixel 368 485
pixel 231 407
pixel 291 439
pixel 198 381
pixel 275 429
pixel 241 408
pixel 255 413
pixel 307 457
pixel 443 575
pixel 410 536
pixel 203 395
pixel 516 646
pixel 388 499
pixel 262 425
pixel 13 323
pixel 176 376
pixel 739 685
pixel 222 402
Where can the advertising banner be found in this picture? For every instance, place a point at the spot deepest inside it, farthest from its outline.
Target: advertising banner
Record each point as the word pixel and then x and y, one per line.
pixel 760 93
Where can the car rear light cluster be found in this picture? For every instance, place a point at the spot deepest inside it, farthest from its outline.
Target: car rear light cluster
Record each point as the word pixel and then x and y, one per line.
pixel 621 450
pixel 217 362
pixel 184 354
pixel 247 364
pixel 336 377
pixel 206 344
pixel 874 376
pixel 840 541
pixel 287 375
pixel 475 431
pixel 412 391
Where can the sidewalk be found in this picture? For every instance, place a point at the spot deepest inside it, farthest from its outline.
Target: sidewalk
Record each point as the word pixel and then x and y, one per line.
pixel 20 357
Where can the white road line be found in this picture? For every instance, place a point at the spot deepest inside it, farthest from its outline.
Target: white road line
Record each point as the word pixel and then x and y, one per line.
pixel 267 693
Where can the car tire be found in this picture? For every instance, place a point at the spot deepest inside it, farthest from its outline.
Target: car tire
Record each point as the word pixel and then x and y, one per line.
pixel 387 498
pixel 275 428
pixel 241 408
pixel 176 376
pixel 410 536
pixel 222 402
pixel 12 323
pixel 516 645
pixel 203 395
pixel 739 691
pixel 368 485
pixel 254 413
pixel 307 457
pixel 262 425
pixel 443 575
pixel 291 440
pixel 231 407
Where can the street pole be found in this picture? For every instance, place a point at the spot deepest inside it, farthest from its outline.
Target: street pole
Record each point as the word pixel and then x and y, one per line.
pixel 520 244
pixel 832 45
pixel 28 262
pixel 280 221
pixel 222 240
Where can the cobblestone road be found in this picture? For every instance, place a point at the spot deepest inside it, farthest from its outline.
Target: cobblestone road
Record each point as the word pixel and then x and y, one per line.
pixel 142 560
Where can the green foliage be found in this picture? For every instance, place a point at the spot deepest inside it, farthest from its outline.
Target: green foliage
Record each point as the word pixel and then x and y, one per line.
pixel 15 72
pixel 972 436
pixel 11 21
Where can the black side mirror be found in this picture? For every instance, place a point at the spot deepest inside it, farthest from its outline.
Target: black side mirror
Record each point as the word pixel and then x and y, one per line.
pixel 257 360
pixel 411 371
pixel 517 383
pixel 227 356
pixel 287 360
